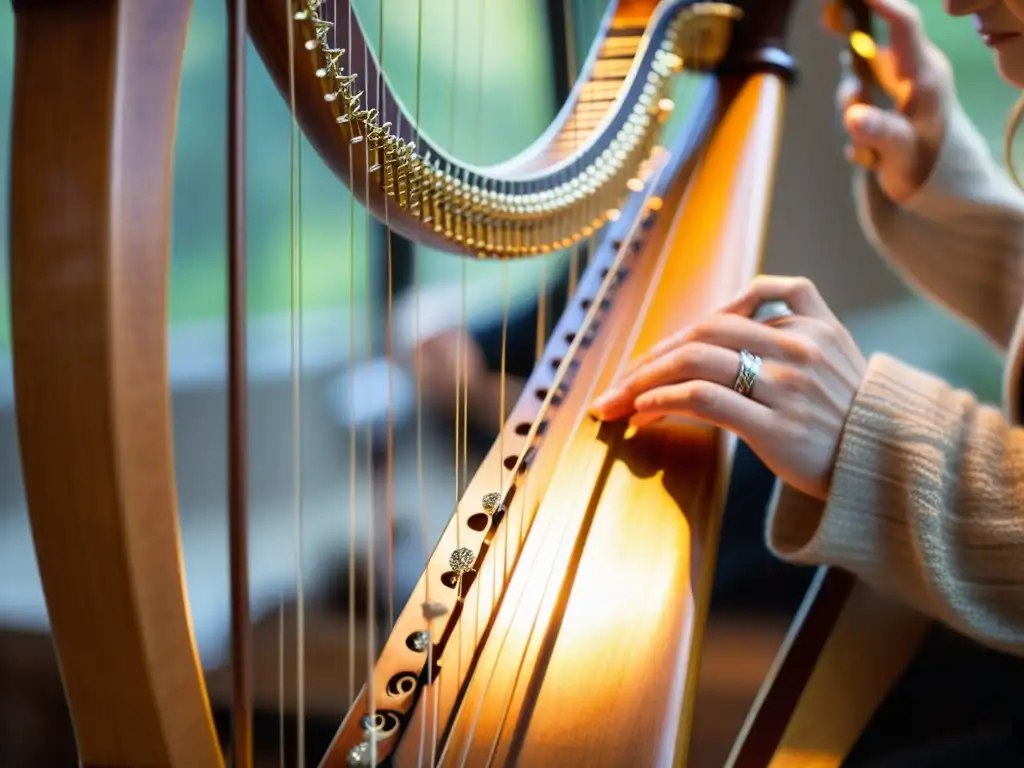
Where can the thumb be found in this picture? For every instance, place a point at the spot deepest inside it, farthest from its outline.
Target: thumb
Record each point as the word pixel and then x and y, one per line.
pixel 893 139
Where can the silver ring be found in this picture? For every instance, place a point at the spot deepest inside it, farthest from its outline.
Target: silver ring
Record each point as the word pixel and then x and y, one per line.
pixel 769 311
pixel 750 366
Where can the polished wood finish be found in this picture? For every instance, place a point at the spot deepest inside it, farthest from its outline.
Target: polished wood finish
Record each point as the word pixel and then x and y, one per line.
pixel 89 242
pixel 584 491
pixel 524 459
pixel 846 648
pixel 632 579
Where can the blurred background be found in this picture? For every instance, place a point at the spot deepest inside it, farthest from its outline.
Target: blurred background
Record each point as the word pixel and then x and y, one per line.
pixel 492 74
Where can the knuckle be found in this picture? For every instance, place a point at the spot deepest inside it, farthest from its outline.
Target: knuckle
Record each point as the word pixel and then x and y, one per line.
pixel 701 331
pixel 690 359
pixel 656 401
pixel 789 381
pixel 700 397
pixel 802 349
pixel 802 286
pixel 830 335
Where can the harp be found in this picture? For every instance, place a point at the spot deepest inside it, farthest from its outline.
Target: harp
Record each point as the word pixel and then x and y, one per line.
pixel 560 615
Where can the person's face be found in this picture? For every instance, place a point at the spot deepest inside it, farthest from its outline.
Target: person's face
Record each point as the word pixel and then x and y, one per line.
pixel 1000 24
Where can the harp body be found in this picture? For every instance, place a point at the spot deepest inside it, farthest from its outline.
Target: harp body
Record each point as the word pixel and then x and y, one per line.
pixel 575 637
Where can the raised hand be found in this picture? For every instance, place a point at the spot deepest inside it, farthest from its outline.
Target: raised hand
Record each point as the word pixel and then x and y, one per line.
pixel 918 78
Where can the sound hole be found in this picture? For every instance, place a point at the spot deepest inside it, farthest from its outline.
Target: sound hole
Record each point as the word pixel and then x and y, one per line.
pixel 418 641
pixel 569 338
pixel 401 684
pixel 556 363
pixel 382 723
pixel 510 462
pixel 523 428
pixel 450 579
pixel 586 304
pixel 478 521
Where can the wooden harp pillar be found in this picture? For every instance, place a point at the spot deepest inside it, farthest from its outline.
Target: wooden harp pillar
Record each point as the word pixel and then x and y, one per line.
pixel 90 242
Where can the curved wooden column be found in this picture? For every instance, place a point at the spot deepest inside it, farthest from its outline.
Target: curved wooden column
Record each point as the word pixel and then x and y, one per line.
pixel 95 104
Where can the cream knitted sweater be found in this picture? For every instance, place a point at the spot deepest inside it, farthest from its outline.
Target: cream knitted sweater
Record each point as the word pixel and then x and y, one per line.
pixel 927 499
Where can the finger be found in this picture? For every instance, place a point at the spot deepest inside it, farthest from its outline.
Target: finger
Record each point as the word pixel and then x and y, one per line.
pixel 850 90
pixel 731 331
pixel 690 361
pixel 885 71
pixel 665 345
pixel 799 292
pixel 889 134
pixel 906 36
pixel 710 403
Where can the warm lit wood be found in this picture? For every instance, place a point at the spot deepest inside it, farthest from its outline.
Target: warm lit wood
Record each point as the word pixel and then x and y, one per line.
pixel 503 550
pixel 95 99
pixel 603 615
pixel 846 649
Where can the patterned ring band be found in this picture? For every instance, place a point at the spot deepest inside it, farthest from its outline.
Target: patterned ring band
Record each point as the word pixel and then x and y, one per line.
pixel 750 366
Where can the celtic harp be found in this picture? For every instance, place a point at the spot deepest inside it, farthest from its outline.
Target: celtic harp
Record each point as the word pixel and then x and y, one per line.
pixel 565 628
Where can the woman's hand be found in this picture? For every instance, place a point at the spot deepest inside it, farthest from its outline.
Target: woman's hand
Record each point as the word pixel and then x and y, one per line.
pixel 793 416
pixel 918 78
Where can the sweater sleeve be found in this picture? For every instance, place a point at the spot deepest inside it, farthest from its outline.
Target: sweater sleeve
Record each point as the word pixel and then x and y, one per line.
pixel 925 505
pixel 960 238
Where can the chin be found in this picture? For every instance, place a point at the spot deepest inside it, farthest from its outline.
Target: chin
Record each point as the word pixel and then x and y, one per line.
pixel 1011 69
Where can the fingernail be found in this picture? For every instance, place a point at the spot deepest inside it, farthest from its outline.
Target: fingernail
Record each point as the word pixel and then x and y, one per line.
pixel 599 407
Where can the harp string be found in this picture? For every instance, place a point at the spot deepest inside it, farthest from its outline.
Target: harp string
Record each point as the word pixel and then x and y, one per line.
pixel 389 472
pixel 295 368
pixel 370 501
pixel 459 347
pixel 281 622
pixel 299 500
pixel 478 156
pixel 238 506
pixel 418 376
pixel 389 478
pixel 353 446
